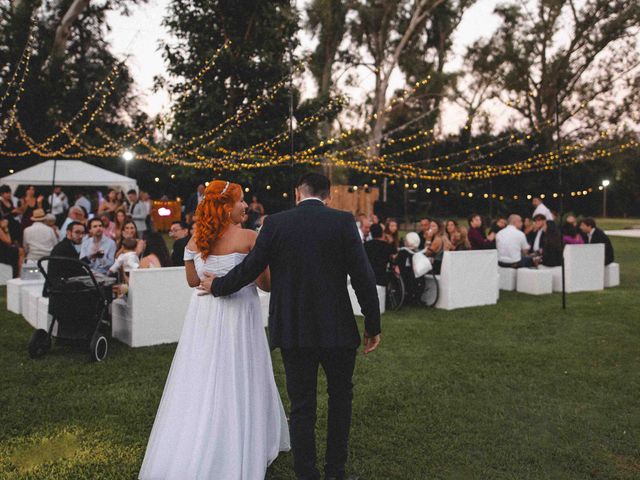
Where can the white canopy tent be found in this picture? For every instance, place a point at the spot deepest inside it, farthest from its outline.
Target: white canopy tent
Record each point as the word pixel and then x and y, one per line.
pixel 71 173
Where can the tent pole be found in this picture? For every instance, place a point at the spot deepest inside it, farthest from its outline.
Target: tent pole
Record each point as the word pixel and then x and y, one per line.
pixel 53 183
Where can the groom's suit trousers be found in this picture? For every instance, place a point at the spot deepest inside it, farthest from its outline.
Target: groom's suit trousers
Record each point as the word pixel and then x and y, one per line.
pixel 301 365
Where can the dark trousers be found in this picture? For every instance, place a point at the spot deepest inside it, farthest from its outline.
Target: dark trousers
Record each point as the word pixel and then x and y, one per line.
pixel 301 367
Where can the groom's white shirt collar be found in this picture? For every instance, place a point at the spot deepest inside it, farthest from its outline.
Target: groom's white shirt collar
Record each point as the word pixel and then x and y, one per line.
pixel 310 198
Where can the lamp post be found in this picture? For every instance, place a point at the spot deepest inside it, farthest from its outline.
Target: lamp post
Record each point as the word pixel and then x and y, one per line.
pixel 127 156
pixel 605 184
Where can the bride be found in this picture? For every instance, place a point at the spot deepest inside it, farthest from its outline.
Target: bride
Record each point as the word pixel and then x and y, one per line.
pixel 220 416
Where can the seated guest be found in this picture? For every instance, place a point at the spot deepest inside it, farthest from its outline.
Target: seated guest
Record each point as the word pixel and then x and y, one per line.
pixel 75 214
pixel 128 260
pixel 404 265
pixel 50 221
pixel 528 226
pixel 425 232
pixel 439 244
pixel 9 211
pixel 38 239
pixel 499 224
pixel 130 230
pixel 571 220
pixel 179 232
pixel 108 225
pixel 10 253
pixel 69 247
pixel 592 234
pixel 477 239
pixel 98 250
pixel 512 245
pixel 536 237
pixel 460 239
pixel 571 235
pixel 156 253
pixel 451 227
pixel 551 245
pixel 379 253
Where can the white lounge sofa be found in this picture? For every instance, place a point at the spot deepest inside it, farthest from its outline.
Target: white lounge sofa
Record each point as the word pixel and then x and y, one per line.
pixel 357 310
pixel 6 273
pixel 468 279
pixel 584 269
pixel 18 291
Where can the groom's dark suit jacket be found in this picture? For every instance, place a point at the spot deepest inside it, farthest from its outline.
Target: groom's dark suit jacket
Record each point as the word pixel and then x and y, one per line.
pixel 310 250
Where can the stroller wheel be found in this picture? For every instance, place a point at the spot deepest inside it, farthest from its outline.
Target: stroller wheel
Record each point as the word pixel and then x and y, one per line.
pixel 98 347
pixel 39 344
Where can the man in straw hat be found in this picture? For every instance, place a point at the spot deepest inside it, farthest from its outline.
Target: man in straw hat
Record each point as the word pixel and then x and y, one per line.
pixel 39 239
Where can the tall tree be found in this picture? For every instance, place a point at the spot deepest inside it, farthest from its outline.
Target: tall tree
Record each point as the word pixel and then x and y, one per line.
pixel 565 57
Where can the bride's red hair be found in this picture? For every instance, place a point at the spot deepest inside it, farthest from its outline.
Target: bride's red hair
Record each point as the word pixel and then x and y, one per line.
pixel 213 215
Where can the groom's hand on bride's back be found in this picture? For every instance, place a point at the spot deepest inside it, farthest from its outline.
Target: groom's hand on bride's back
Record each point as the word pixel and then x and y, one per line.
pixel 205 284
pixel 370 343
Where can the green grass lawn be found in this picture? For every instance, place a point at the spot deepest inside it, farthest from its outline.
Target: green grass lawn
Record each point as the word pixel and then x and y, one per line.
pixel 520 390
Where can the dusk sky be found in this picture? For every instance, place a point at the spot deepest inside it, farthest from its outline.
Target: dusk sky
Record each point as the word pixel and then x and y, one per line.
pixel 138 37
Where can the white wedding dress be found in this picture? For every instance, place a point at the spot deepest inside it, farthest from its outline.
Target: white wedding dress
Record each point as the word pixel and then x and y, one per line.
pixel 221 416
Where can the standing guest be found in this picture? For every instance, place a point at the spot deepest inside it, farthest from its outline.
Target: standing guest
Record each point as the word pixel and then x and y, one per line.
pixel 254 212
pixel 512 245
pixel 379 253
pixel 536 237
pixel 145 198
pixel 28 204
pixel 109 204
pixel 425 233
pixel 541 209
pixel 38 239
pixel 137 211
pixel 571 235
pixel 364 228
pixel 108 225
pixel 155 254
pixel 120 219
pixel 129 230
pixel 551 246
pixel 592 234
pixel 179 232
pixel 75 214
pixel 10 253
pixel 477 239
pixel 460 239
pixel 69 247
pixel 8 211
pixel 83 201
pixel 374 219
pixel 59 204
pixel 98 250
pixel 391 232
pixel 193 201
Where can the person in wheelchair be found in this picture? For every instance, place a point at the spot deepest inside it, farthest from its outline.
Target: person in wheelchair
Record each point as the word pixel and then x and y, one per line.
pixel 403 263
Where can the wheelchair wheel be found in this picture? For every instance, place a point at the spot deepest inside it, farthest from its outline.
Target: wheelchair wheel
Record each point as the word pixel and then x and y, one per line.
pixel 395 292
pixel 39 344
pixel 431 290
pixel 98 347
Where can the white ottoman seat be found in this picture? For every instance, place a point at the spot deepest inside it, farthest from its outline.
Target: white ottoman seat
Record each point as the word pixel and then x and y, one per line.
pixel 612 275
pixel 556 275
pixel 534 281
pixel 6 273
pixel 508 277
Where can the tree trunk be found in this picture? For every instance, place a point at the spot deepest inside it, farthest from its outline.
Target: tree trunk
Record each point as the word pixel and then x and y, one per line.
pixel 64 30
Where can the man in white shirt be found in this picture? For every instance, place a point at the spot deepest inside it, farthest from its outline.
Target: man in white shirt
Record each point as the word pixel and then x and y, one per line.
pixel 59 204
pixel 512 245
pixel 138 211
pixel 541 208
pixel 39 239
pixel 82 201
pixel 364 228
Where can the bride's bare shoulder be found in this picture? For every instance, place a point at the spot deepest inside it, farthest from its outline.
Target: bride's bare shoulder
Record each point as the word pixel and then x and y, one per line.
pixel 192 245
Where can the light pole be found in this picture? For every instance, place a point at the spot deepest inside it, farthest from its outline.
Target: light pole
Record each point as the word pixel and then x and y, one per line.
pixel 605 184
pixel 127 156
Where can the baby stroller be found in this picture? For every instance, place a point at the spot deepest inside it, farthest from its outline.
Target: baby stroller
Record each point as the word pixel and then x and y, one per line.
pixel 79 305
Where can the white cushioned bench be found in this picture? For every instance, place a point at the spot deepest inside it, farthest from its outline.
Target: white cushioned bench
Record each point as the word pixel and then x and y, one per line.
pixel 6 273
pixel 468 279
pixel 508 278
pixel 612 275
pixel 584 269
pixel 534 281
pixel 17 293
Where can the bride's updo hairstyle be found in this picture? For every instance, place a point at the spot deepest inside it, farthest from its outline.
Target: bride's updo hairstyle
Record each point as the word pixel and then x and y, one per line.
pixel 213 215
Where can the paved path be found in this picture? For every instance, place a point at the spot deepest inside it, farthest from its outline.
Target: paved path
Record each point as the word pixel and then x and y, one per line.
pixel 633 233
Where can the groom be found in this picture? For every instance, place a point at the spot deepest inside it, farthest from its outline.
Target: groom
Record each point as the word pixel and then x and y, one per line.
pixel 310 250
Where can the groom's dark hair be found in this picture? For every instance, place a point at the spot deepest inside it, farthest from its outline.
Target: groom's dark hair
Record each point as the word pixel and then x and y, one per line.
pixel 314 185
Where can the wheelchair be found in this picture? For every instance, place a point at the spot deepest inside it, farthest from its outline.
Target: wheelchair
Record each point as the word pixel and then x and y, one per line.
pixel 78 304
pixel 423 291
